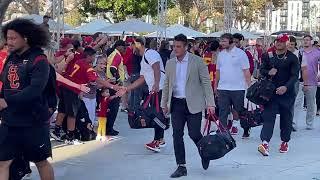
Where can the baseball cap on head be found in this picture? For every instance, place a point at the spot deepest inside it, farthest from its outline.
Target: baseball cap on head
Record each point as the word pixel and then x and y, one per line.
pixel 130 40
pixel 282 38
pixel 88 40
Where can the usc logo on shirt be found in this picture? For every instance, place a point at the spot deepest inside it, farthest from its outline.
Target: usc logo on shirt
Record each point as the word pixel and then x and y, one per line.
pixel 13 77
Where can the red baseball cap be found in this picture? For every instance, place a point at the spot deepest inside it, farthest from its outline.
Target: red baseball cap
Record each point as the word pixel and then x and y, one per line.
pixel 282 38
pixel 65 41
pixel 88 40
pixel 130 40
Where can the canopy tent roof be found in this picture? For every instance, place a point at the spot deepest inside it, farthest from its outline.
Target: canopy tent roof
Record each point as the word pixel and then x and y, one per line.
pixel 132 25
pixel 39 19
pixel 176 29
pixel 90 28
pixel 246 34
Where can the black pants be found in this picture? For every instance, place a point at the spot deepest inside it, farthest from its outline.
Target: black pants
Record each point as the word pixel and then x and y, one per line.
pixel 282 105
pixel 318 98
pixel 135 96
pixel 226 99
pixel 114 108
pixel 158 131
pixel 181 115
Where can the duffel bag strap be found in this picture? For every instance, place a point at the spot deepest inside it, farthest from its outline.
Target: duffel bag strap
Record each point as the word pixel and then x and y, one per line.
pixel 215 119
pixel 157 104
pixel 207 127
pixel 147 101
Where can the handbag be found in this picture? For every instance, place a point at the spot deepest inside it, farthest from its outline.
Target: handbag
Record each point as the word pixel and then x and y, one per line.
pixel 217 144
pixel 251 118
pixel 149 115
pixel 261 92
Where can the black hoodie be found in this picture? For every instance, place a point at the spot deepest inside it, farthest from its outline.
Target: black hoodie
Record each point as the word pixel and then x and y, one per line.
pixel 24 80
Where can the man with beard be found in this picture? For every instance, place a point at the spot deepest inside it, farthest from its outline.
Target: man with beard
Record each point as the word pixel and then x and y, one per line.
pixel 282 67
pixel 24 128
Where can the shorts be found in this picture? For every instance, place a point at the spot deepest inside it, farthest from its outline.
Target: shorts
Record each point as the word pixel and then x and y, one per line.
pixel 69 103
pixel 31 142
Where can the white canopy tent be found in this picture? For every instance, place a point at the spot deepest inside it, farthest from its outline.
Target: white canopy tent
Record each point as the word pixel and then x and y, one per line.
pixel 246 34
pixel 132 26
pixel 90 28
pixel 39 19
pixel 176 29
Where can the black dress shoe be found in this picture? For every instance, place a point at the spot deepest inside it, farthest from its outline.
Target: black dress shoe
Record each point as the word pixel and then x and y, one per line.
pixel 205 163
pixel 181 171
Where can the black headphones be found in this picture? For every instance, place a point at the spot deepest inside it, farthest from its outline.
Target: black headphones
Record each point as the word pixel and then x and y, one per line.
pixel 230 40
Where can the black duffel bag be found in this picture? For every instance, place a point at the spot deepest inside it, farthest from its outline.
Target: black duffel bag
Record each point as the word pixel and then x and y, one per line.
pixel 261 92
pixel 215 144
pixel 149 115
pixel 251 118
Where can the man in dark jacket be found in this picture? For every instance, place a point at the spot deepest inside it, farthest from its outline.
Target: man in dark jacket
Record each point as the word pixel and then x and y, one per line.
pixel 25 128
pixel 282 67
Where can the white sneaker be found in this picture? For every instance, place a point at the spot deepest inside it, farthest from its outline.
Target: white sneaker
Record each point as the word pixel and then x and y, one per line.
pixel 74 142
pixel 27 177
pixel 98 138
pixel 104 139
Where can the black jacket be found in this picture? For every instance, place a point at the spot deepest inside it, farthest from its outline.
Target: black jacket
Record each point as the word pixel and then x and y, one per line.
pixel 24 80
pixel 288 70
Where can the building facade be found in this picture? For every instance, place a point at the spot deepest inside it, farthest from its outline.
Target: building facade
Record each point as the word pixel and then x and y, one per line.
pixel 295 15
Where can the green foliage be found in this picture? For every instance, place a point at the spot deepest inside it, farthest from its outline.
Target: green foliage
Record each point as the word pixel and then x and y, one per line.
pixel 73 18
pixel 122 8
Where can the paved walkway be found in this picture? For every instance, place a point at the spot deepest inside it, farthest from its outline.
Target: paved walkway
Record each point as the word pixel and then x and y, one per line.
pixel 127 159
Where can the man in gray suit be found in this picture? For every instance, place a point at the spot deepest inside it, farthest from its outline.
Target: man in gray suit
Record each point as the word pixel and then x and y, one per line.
pixel 186 93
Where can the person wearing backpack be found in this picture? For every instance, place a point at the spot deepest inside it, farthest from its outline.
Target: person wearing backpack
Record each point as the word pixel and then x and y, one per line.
pixel 24 126
pixel 152 73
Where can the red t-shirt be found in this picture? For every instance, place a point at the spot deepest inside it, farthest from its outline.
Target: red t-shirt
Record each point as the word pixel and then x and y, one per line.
pixel 103 107
pixel 77 57
pixel 128 60
pixel 116 60
pixel 81 73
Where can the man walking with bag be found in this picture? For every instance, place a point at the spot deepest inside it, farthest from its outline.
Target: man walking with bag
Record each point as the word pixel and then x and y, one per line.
pixel 186 93
pixel 282 66
pixel 152 73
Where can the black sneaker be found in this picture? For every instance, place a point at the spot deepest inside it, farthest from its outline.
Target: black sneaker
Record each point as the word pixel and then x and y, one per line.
pixel 181 171
pixel 205 163
pixel 57 134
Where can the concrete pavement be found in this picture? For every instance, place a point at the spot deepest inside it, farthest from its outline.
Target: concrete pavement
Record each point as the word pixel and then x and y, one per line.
pixel 127 159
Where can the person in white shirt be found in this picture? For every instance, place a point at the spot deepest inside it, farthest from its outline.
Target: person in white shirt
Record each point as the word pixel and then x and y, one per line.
pixel 232 78
pixel 152 73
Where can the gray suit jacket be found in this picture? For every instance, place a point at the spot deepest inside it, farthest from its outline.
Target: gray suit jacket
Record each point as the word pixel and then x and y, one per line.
pixel 199 93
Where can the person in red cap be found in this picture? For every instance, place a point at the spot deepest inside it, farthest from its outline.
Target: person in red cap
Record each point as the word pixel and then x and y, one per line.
pixel 282 68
